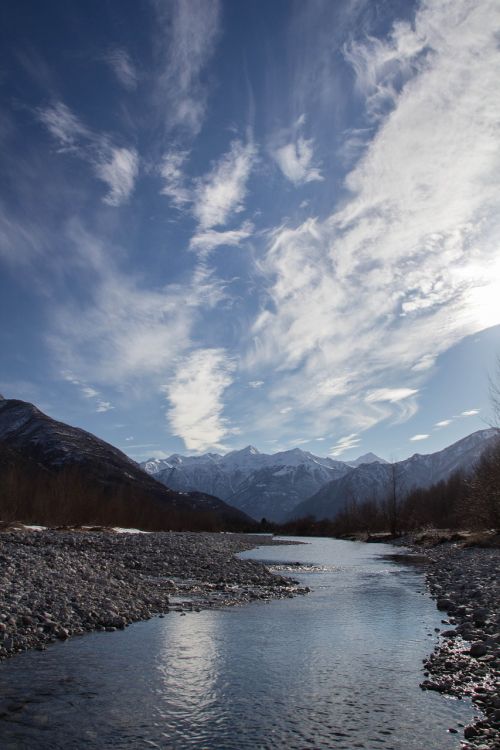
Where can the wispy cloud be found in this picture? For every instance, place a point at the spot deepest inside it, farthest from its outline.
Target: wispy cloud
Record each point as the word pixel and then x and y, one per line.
pixel 116 167
pixel 222 191
pixel 89 392
pixel 104 406
pixel 207 240
pixel 63 124
pixel 383 66
pixel 255 383
pixel 188 31
pixel 119 171
pixel 404 269
pixel 393 395
pixel 195 395
pixel 122 66
pixel 296 161
pixel 418 437
pixel 174 181
pixel 470 413
pixel 126 331
pixel 443 423
pixel 344 444
pixel 294 154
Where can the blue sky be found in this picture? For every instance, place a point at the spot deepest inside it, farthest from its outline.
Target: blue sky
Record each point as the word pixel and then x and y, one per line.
pixel 251 222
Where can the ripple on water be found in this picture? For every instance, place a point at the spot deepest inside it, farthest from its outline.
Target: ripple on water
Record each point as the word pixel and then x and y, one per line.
pixel 339 669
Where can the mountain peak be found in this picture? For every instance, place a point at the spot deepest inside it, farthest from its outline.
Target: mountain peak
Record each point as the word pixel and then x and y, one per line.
pixel 249 450
pixel 367 458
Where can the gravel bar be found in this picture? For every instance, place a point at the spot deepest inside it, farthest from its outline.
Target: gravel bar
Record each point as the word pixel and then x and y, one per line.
pixel 55 584
pixel 466 661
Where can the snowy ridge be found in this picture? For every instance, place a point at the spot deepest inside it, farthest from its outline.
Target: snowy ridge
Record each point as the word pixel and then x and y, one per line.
pixel 295 483
pixel 373 481
pixel 260 484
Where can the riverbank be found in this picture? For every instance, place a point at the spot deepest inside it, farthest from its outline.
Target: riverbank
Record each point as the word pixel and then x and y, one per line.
pixel 465 581
pixel 55 584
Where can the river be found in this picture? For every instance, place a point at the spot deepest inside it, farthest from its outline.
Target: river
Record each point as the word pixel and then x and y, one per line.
pixel 338 668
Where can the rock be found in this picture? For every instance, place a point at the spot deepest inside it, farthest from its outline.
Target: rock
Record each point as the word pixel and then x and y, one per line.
pixel 470 732
pixel 444 604
pixel 478 649
pixel 63 583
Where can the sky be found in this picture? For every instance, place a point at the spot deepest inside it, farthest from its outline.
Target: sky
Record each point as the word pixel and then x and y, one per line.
pixel 243 222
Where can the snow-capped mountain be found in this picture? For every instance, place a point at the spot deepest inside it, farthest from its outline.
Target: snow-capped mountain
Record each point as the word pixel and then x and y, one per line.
pixel 261 484
pixel 295 483
pixel 367 458
pixel 374 481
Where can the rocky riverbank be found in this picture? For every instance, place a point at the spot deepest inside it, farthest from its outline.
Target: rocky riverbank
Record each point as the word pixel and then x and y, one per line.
pixel 59 583
pixel 465 582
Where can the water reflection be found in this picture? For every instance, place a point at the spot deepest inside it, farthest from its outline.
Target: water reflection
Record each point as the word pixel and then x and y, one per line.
pixel 187 671
pixel 338 668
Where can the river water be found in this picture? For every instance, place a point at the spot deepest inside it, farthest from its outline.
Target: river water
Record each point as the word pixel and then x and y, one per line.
pixel 338 668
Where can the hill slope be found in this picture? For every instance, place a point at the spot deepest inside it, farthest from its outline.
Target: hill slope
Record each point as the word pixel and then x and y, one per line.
pixel 75 475
pixel 374 481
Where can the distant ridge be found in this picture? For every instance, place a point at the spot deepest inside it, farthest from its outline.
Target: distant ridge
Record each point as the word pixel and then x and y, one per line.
pixel 367 458
pixel 295 483
pixel 259 484
pixel 374 481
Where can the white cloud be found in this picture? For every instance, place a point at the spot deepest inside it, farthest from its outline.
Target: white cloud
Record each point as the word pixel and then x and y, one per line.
pixel 126 332
pixel 419 437
pixel 174 181
pixel 470 413
pixel 195 394
pixel 119 171
pixel 103 406
pixel 63 124
pixel 425 363
pixel 220 194
pixel 406 267
pixel 117 167
pixel 119 61
pixel 128 439
pixel 255 383
pixel 443 423
pixel 381 67
pixel 344 444
pixel 336 386
pixel 296 161
pixel 187 35
pixel 89 392
pixel 393 395
pixel 205 242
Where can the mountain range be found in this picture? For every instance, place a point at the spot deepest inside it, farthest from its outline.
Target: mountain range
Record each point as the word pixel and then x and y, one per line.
pixel 75 474
pixel 259 484
pixel 54 454
pixel 296 483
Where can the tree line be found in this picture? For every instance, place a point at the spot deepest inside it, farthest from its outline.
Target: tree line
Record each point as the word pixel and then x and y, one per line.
pixel 462 501
pixel 71 496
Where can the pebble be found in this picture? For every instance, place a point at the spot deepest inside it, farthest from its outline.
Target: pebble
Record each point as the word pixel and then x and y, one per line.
pixel 466 662
pixel 55 584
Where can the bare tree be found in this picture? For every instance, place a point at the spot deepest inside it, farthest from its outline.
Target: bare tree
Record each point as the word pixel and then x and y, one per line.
pixel 494 391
